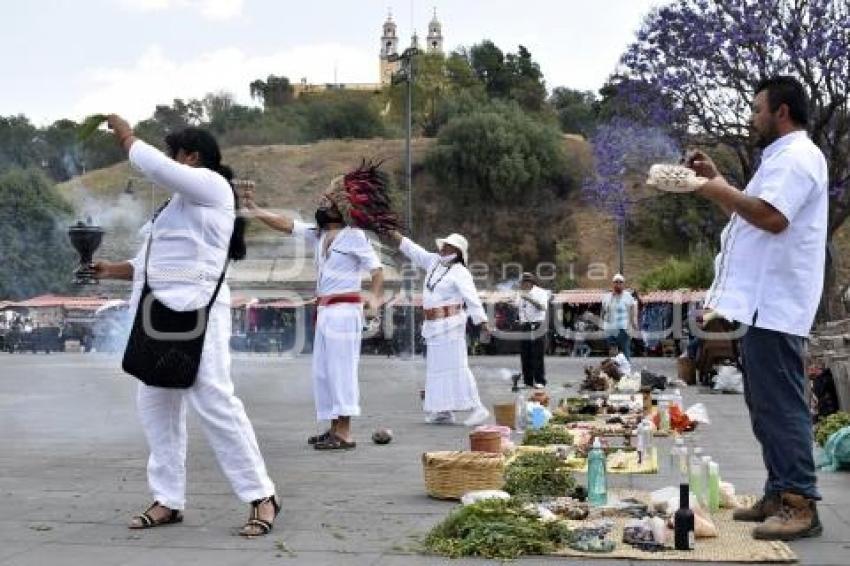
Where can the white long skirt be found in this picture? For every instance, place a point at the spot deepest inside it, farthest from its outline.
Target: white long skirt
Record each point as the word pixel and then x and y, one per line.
pixel 336 355
pixel 449 383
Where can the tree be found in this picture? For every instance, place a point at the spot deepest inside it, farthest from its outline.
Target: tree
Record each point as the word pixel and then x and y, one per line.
pixel 575 109
pixel 274 92
pixel 340 114
pixel 707 55
pixel 35 256
pixel 514 76
pixel 20 145
pixel 497 154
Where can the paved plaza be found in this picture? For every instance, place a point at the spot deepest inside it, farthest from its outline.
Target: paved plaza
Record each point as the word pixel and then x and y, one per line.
pixel 72 467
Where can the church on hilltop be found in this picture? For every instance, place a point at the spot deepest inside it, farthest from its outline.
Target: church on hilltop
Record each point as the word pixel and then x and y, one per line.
pixel 388 62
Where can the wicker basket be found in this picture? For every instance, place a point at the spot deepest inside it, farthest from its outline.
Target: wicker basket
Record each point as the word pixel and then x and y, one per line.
pixel 505 415
pixel 449 475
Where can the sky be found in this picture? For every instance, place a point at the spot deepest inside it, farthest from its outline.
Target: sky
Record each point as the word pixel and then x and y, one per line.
pixel 71 58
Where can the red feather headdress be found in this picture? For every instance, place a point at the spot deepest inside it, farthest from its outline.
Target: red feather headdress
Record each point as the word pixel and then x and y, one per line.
pixel 362 197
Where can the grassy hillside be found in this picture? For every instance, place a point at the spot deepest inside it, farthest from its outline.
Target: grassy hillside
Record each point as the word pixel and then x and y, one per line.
pixel 290 177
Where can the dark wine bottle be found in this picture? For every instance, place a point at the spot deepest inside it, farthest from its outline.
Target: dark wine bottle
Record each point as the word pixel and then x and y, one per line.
pixel 683 520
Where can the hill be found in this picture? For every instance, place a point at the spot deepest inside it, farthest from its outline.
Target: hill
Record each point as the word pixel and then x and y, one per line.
pixel 290 177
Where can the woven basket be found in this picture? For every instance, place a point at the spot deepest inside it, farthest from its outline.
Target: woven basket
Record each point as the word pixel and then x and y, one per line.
pixel 505 415
pixel 449 475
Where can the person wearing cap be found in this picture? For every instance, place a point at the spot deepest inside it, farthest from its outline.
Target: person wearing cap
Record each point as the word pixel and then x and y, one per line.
pixel 449 297
pixel 342 253
pixel 619 311
pixel 532 303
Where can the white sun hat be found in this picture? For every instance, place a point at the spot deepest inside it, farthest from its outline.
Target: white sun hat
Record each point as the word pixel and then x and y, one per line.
pixel 458 242
pixel 618 278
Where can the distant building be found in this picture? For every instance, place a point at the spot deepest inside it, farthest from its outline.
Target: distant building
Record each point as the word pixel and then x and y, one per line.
pixel 387 58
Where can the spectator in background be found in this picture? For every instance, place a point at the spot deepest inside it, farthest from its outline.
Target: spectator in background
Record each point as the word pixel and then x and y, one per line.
pixel 619 315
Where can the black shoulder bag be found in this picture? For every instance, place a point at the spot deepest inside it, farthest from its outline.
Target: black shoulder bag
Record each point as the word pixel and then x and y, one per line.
pixel 165 346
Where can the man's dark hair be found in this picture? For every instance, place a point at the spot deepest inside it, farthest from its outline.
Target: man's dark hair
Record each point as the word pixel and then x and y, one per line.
pixel 787 90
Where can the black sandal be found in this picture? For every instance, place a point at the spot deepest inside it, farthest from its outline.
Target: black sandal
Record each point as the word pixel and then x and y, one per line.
pixel 334 442
pixel 265 527
pixel 145 521
pixel 319 437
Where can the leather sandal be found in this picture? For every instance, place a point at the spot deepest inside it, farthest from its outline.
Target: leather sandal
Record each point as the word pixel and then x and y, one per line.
pixel 319 437
pixel 256 527
pixel 146 521
pixel 334 442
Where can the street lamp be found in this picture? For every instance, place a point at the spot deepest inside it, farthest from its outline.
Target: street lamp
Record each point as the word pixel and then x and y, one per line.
pixel 406 74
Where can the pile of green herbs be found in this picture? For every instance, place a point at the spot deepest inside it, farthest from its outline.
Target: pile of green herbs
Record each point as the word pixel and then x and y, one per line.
pixel 536 476
pixel 567 418
pixel 495 528
pixel 830 425
pixel 546 436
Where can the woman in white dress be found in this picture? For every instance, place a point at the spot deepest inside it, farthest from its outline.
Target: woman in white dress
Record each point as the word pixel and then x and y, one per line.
pixel 190 240
pixel 448 298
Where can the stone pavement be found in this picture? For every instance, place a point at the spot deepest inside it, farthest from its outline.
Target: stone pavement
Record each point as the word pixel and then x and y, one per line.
pixel 72 468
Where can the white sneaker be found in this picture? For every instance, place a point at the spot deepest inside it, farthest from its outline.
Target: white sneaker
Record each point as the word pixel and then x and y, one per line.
pixel 478 416
pixel 539 386
pixel 440 417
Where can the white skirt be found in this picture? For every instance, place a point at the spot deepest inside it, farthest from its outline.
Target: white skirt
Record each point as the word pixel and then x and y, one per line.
pixel 449 383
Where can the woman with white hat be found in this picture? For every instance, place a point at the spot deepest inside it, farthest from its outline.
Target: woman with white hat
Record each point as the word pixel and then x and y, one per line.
pixel 448 289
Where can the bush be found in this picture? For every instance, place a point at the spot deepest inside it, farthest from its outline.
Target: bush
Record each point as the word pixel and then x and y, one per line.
pixel 497 154
pixel 695 272
pixel 830 425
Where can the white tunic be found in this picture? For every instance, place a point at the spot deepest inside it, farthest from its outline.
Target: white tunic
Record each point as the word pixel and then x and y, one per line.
pixel 339 327
pixel 449 383
pixel 191 234
pixel 528 311
pixel 778 276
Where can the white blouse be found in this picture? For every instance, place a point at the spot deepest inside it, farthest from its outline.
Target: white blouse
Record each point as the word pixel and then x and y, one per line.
pixel 191 235
pixel 445 285
pixel 349 255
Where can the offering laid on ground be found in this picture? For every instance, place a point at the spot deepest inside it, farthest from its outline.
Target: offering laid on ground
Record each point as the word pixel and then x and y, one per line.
pixel 538 475
pixel 831 424
pixel 674 178
pixel 382 436
pixel 495 528
pixel 546 436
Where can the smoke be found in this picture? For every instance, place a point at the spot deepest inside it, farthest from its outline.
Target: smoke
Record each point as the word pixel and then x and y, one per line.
pixel 123 212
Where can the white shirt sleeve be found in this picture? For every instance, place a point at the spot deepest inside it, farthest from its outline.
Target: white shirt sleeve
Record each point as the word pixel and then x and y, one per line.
pixel 540 296
pixel 466 287
pixel 417 254
pixel 366 255
pixel 198 184
pixel 307 232
pixel 785 185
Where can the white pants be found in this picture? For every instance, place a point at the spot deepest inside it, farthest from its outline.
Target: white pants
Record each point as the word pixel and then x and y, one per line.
pixel 336 355
pixel 228 430
pixel 449 383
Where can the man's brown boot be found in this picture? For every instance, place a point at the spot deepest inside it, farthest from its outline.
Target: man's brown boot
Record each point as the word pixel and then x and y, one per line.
pixel 798 518
pixel 768 505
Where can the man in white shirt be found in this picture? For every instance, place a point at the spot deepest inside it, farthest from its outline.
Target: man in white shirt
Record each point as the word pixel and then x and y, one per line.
pixel 769 278
pixel 619 310
pixel 342 253
pixel 532 303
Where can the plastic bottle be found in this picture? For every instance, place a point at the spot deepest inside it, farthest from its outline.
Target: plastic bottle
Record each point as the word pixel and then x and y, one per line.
pixel 704 478
pixel 646 432
pixel 683 521
pixel 664 416
pixel 695 472
pixel 538 416
pixel 597 481
pixel 714 486
pixel 676 399
pixel 680 466
pixel 520 412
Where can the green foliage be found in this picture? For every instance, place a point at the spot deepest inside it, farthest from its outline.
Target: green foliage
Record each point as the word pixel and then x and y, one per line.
pixel 576 110
pixel 830 425
pixel 274 92
pixel 340 114
pixel 546 436
pixel 496 154
pixel 514 76
pixel 496 529
pixel 694 272
pixel 35 256
pixel 537 475
pixel 676 222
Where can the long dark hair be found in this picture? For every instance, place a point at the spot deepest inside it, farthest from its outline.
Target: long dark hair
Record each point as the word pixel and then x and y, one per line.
pixel 196 139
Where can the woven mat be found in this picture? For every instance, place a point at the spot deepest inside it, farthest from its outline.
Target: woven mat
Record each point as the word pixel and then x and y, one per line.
pixel 735 543
pixel 632 466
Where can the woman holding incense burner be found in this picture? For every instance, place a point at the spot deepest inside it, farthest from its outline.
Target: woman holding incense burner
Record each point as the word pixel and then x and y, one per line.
pixel 189 242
